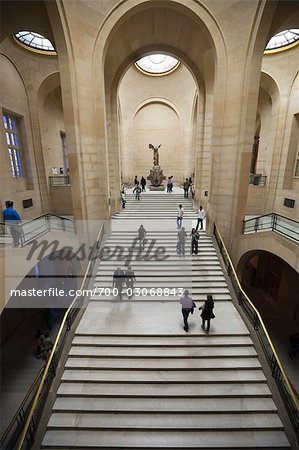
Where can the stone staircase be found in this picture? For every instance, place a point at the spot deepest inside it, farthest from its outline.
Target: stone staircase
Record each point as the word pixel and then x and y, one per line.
pixel 155 205
pixel 135 380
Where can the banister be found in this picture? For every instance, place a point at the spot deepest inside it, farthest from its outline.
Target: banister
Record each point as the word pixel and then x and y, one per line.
pixel 291 390
pixel 13 420
pixel 51 357
pixel 271 214
pixel 36 218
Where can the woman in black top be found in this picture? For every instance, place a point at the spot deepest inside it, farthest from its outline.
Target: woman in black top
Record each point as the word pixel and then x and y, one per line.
pixel 207 312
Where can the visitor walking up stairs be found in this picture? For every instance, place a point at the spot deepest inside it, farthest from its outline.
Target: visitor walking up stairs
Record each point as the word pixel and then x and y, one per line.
pixel 135 379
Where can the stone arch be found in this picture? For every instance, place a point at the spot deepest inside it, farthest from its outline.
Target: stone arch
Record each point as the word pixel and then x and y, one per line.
pixel 154 118
pixel 130 32
pixel 53 139
pixel 11 62
pixel 271 283
pixel 150 100
pixel 49 83
pixel 267 114
pixel 270 86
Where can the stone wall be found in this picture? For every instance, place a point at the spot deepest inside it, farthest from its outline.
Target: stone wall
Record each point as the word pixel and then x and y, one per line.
pixel 156 110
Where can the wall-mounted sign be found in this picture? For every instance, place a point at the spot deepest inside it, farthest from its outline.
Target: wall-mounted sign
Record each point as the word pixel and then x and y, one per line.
pixel 27 203
pixel 289 202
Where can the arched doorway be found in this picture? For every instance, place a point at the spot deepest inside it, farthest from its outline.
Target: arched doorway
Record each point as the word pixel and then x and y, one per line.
pixel 116 55
pixel 272 284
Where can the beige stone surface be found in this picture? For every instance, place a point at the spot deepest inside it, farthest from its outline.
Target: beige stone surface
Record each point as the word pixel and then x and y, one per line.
pixel 205 114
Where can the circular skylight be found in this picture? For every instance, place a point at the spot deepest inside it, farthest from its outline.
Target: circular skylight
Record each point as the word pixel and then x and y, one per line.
pixel 157 64
pixel 283 39
pixel 35 41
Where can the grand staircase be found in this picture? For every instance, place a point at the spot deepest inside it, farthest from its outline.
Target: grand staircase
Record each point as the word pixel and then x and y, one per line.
pixel 135 380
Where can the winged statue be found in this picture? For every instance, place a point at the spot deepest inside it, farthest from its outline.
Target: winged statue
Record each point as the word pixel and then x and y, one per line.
pixel 156 153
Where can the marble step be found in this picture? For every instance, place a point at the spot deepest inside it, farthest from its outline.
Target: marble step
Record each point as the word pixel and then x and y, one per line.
pixel 153 261
pixel 173 341
pixel 155 234
pixel 198 297
pixel 140 405
pixel 148 215
pixel 164 207
pixel 150 196
pixel 160 204
pixel 223 363
pixel 141 205
pixel 148 255
pixel 179 264
pixel 166 243
pixel 162 271
pixel 164 421
pixel 163 376
pixel 157 253
pixel 179 285
pixel 168 352
pixel 169 210
pixel 162 390
pixel 216 280
pixel 168 439
pixel 163 280
pixel 146 210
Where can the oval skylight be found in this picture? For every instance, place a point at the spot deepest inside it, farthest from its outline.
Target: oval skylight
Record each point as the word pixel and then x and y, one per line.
pixel 283 39
pixel 157 64
pixel 35 41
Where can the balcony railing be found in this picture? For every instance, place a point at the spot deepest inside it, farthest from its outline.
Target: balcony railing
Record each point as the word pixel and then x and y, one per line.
pixel 257 179
pixel 27 231
pixel 59 180
pixel 288 394
pixel 273 222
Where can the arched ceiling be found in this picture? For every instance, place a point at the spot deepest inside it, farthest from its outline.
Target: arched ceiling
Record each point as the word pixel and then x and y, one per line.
pixel 161 27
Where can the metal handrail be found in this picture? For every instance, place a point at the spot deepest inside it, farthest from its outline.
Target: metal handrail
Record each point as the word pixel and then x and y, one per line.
pixel 59 180
pixel 271 214
pixel 51 359
pixel 36 218
pixel 273 222
pixel 44 225
pixel 291 390
pixel 257 179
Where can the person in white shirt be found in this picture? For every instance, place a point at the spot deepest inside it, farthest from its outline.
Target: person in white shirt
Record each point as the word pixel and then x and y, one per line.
pixel 200 218
pixel 179 217
pixel 188 306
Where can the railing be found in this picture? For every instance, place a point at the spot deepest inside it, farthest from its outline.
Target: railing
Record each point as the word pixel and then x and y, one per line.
pixel 59 180
pixel 257 179
pixel 27 231
pixel 21 432
pixel 273 222
pixel 288 393
pixel 10 436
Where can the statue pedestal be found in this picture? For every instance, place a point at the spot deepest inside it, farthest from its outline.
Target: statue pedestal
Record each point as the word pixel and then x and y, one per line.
pixel 156 178
pixel 157 188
